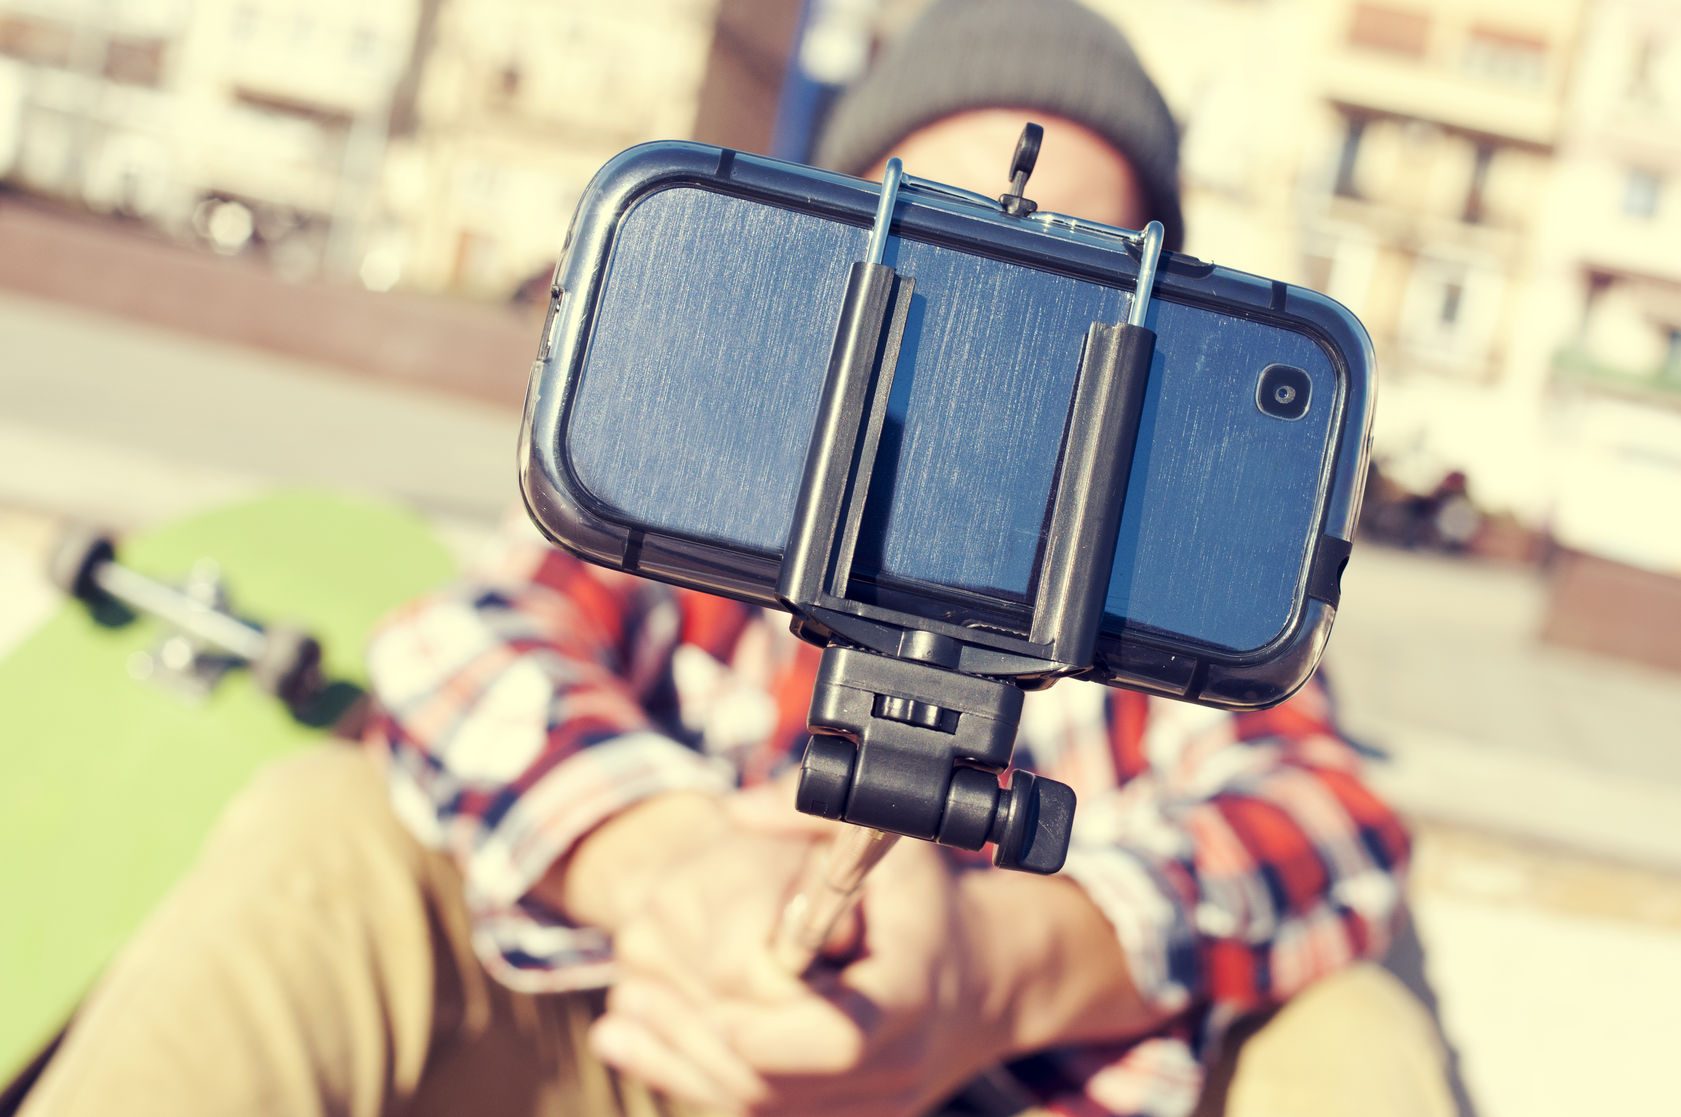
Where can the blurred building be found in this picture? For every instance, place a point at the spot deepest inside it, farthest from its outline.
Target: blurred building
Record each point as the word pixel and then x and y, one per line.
pixel 522 101
pixel 435 144
pixel 1487 183
pixel 247 122
pixel 289 105
pixel 1617 211
pixel 1494 186
pixel 87 99
pixel 1449 119
pixel 1398 155
pixel 1613 237
pixel 1444 118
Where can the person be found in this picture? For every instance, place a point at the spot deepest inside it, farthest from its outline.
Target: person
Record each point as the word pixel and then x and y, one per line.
pixel 553 888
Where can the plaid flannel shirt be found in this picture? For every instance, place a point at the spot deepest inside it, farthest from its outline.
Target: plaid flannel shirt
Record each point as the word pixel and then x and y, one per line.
pixel 1238 857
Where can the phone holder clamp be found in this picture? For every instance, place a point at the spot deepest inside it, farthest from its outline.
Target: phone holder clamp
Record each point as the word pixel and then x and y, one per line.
pixel 914 714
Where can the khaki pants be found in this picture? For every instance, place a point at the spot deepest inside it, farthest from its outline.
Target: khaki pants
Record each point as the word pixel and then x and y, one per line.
pixel 317 961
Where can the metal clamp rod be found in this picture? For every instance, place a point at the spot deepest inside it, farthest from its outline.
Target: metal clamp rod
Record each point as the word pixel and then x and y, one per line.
pixel 877 247
pixel 811 915
pixel 949 192
pixel 1149 254
pixel 208 624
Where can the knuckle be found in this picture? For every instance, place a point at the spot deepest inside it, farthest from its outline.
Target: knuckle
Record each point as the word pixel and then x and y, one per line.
pixel 640 945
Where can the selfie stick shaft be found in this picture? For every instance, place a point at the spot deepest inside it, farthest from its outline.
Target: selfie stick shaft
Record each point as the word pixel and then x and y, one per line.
pixel 829 894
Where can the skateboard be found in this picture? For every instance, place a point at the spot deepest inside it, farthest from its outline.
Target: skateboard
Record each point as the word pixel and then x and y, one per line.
pixel 191 654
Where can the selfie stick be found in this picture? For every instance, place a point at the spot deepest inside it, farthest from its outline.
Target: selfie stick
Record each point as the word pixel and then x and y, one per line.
pixel 830 891
pixel 914 712
pixel 827 894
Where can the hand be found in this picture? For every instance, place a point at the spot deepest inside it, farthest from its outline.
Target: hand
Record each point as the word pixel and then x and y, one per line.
pixel 702 1013
pixel 696 900
pixel 946 974
pixel 901 1027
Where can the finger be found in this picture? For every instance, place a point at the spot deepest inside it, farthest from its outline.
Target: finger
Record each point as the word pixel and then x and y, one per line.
pixel 769 809
pixel 633 1050
pixel 802 1036
pixel 690 1033
pixel 642 948
pixel 731 965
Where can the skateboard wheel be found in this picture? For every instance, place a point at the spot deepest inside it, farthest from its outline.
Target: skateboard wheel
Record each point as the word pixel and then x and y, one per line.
pixel 76 554
pixel 289 666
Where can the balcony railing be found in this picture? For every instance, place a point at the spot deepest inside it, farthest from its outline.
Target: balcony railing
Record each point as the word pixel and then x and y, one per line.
pixel 1575 365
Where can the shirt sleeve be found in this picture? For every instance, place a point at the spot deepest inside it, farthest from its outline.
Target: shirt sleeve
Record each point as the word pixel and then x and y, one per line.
pixel 519 708
pixel 1244 859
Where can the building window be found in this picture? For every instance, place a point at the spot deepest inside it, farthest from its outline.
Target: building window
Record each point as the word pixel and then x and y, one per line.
pixel 363 44
pixel 1348 159
pixel 1316 270
pixel 509 81
pixel 1450 314
pixel 1453 297
pixel 1339 263
pixel 1505 57
pixel 1476 193
pixel 1642 72
pixel 1395 30
pixel 44 42
pixel 1641 190
pixel 134 62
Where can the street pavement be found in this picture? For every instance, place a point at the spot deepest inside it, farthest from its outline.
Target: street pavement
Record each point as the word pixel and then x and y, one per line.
pixel 1437 664
pixel 1544 785
pixel 131 424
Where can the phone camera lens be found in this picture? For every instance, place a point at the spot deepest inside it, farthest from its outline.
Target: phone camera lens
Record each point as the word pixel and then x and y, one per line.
pixel 1283 392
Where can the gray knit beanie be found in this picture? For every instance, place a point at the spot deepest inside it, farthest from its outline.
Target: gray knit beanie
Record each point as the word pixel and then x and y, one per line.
pixel 1054 55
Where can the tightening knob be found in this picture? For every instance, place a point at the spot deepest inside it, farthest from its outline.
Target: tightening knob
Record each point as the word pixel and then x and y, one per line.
pixel 1032 824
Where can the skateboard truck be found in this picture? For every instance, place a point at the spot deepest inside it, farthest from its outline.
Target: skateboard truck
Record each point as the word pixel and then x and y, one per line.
pixel 914 715
pixel 181 661
pixel 205 640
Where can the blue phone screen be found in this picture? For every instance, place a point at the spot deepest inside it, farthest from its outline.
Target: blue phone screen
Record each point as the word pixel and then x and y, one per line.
pixel 699 390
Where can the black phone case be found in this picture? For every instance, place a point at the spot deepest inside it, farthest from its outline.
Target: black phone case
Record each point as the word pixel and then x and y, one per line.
pixel 565 511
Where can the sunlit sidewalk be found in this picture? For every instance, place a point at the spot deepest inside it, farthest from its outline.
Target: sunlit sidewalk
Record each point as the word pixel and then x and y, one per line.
pixel 1555 974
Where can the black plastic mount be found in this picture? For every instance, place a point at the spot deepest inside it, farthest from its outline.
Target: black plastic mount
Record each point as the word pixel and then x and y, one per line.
pixel 915 749
pixel 1078 550
pixel 1021 166
pixel 914 717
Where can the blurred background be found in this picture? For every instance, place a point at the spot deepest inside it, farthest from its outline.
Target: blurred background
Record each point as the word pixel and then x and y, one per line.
pixel 256 242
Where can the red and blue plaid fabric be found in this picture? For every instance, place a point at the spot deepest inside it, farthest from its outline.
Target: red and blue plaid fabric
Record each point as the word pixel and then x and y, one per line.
pixel 1239 857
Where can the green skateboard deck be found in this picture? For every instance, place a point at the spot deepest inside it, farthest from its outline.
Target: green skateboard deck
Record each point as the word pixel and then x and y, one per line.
pixel 108 785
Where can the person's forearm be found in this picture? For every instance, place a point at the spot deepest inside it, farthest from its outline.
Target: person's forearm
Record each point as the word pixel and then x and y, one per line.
pixel 1062 975
pixel 606 876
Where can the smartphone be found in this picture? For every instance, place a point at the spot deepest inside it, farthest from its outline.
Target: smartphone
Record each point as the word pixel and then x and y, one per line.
pixel 674 395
